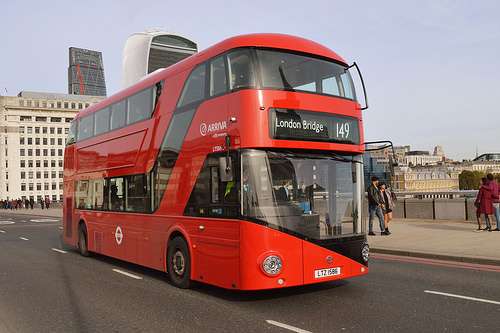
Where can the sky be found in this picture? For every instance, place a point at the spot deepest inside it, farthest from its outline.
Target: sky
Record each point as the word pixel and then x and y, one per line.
pixel 430 67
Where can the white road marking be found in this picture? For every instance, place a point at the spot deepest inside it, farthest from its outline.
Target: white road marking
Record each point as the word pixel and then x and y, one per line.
pixel 44 220
pixel 23 238
pixel 57 250
pixel 2 231
pixel 288 327
pixel 127 274
pixel 463 297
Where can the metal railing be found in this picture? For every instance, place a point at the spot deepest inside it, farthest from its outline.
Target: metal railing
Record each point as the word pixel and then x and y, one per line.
pixel 437 194
pixel 436 205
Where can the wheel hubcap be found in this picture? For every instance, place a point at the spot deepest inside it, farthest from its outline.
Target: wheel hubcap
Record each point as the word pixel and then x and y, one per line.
pixel 178 263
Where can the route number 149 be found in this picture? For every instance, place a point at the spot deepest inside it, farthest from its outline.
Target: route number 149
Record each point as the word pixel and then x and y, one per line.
pixel 342 130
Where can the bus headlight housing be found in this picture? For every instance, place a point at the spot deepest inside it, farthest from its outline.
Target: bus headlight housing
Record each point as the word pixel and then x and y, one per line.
pixel 272 265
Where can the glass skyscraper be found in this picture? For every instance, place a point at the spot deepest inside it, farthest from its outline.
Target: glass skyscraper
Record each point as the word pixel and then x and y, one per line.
pixel 86 73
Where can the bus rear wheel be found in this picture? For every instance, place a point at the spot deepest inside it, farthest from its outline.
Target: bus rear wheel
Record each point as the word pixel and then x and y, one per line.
pixel 179 263
pixel 83 240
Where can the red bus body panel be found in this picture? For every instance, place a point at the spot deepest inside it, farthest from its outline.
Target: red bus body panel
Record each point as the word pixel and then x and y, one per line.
pixel 300 259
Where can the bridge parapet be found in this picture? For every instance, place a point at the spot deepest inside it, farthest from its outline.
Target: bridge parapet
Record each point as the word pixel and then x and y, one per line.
pixel 459 206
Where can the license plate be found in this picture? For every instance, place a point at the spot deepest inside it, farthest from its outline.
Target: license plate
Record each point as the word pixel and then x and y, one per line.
pixel 321 273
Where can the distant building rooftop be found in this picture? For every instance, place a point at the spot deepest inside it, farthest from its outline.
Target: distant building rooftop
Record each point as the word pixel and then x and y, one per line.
pixel 71 97
pixel 417 152
pixel 488 157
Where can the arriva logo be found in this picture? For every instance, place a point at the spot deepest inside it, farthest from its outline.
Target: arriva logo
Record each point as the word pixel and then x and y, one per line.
pixel 214 127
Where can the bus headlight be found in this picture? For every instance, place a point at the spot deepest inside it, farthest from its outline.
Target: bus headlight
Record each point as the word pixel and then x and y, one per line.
pixel 272 265
pixel 365 252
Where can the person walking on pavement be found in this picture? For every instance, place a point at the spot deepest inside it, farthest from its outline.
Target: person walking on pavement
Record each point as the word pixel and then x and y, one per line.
pixel 495 190
pixel 375 204
pixel 484 204
pixel 388 204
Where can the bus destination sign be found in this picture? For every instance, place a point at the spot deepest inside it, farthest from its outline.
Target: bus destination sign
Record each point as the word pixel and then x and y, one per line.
pixel 301 125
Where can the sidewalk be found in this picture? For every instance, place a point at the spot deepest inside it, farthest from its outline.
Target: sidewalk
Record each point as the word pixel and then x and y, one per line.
pixel 438 239
pixel 434 239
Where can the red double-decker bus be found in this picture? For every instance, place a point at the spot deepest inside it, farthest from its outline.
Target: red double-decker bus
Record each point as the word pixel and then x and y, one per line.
pixel 240 166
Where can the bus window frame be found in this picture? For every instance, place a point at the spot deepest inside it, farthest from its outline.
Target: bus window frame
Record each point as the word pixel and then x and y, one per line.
pixel 150 91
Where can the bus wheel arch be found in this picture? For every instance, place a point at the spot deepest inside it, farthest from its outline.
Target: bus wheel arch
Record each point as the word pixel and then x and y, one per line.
pixel 179 261
pixel 83 239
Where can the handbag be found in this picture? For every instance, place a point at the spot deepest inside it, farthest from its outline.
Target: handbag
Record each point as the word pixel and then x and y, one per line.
pixel 394 197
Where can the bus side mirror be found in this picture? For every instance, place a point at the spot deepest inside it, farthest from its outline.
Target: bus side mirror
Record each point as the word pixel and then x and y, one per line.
pixel 225 167
pixel 226 173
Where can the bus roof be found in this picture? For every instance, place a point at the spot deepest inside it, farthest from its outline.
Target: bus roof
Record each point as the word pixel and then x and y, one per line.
pixel 268 40
pixel 279 41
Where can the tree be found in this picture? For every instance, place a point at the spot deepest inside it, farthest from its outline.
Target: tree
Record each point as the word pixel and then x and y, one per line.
pixel 470 180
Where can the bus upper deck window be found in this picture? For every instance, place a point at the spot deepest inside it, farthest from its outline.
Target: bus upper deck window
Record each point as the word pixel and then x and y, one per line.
pixel 86 127
pixel 71 133
pixel 194 89
pixel 218 82
pixel 118 114
pixel 102 121
pixel 140 106
pixel 241 71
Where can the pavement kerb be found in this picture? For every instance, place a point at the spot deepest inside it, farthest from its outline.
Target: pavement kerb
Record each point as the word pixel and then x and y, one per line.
pixel 434 256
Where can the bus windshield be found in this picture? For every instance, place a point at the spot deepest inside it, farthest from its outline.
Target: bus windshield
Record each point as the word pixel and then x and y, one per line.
pixel 288 71
pixel 316 196
pixel 282 70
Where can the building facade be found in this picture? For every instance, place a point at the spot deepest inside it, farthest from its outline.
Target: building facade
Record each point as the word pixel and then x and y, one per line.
pixel 437 178
pixel 149 51
pixel 419 158
pixel 486 166
pixel 86 73
pixel 33 130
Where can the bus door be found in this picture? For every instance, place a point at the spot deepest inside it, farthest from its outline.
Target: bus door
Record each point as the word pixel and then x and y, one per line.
pixel 215 203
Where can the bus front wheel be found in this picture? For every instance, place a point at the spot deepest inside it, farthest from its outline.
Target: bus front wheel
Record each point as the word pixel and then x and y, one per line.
pixel 179 263
pixel 83 240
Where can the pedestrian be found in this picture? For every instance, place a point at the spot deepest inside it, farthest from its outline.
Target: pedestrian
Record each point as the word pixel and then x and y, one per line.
pixel 484 204
pixel 388 205
pixel 42 202
pixel 375 204
pixel 495 191
pixel 32 202
pixel 283 192
pixel 26 203
pixel 47 202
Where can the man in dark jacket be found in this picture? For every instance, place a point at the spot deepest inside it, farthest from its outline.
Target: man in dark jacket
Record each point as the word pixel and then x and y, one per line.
pixel 375 204
pixel 283 192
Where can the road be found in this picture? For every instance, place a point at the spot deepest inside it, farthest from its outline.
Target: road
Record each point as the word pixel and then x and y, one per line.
pixel 46 286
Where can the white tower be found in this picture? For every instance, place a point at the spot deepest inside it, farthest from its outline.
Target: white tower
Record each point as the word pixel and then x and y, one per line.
pixel 148 51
